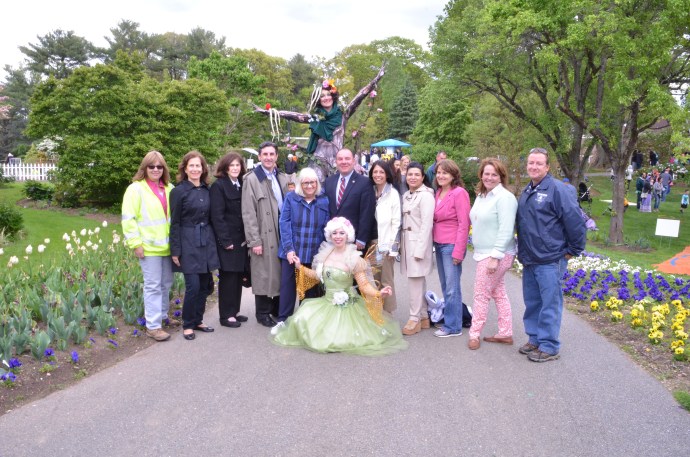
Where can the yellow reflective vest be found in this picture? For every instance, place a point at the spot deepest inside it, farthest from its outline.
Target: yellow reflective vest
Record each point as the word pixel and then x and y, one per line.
pixel 144 223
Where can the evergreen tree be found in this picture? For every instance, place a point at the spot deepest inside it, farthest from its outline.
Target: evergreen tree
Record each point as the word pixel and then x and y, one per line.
pixel 404 114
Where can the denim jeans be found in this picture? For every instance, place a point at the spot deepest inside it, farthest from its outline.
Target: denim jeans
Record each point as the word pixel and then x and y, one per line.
pixel 158 279
pixel 657 199
pixel 543 295
pixel 449 275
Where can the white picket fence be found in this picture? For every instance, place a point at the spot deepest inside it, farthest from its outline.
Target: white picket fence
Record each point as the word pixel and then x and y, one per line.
pixel 28 171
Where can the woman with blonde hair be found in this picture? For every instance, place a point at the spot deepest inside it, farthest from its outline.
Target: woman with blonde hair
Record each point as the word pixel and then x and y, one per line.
pixel 146 227
pixel 493 237
pixel 304 215
pixel 342 320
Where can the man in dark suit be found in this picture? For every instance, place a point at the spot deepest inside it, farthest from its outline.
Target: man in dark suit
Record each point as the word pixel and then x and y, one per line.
pixel 351 195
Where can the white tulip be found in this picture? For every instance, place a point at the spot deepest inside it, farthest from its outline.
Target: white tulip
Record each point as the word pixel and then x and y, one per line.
pixel 41 248
pixel 65 237
pixel 29 249
pixel 83 232
pixel 47 241
pixel 105 223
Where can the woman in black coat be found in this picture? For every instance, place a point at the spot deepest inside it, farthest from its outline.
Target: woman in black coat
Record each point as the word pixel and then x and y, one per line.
pixel 192 241
pixel 226 217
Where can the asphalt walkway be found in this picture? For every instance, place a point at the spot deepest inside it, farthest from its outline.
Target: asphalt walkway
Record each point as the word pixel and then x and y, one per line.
pixel 234 393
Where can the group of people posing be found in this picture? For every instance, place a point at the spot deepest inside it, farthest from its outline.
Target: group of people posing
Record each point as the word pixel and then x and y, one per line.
pixel 250 228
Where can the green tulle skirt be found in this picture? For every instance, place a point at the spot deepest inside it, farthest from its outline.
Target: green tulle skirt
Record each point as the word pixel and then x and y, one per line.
pixel 320 325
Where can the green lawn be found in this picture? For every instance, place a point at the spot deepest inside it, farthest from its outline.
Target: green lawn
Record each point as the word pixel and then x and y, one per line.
pixel 643 247
pixel 40 224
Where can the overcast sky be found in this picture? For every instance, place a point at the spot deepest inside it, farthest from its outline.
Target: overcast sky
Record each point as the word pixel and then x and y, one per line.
pixel 280 28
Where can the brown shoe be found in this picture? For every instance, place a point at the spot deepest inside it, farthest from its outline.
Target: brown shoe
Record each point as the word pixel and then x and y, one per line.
pixel 527 348
pixel 158 334
pixel 499 339
pixel 473 344
pixel 425 323
pixel 412 327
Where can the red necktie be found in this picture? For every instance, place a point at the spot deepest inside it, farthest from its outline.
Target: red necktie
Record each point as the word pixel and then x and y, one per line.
pixel 341 191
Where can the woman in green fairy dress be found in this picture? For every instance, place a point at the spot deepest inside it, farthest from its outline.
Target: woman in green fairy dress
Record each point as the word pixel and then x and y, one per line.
pixel 342 320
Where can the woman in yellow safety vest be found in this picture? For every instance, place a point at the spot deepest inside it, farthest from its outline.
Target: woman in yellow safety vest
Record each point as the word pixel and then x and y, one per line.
pixel 146 226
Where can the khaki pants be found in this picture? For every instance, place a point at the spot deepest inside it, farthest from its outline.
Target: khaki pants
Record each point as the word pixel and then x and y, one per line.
pixel 417 289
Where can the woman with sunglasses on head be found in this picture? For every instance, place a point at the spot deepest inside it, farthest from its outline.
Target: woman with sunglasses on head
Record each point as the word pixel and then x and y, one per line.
pixel 146 227
pixel 192 240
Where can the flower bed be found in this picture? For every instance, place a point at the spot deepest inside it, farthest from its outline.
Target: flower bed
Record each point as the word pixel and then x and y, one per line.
pixel 634 297
pixel 50 302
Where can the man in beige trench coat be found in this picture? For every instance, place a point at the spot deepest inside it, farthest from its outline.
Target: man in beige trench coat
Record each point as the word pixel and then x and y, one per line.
pixel 262 200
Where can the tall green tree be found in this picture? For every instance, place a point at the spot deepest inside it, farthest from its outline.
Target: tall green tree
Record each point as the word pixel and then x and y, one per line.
pixel 241 86
pixel 108 120
pixel 58 53
pixel 403 115
pixel 201 43
pixel 605 70
pixel 444 114
pixel 16 90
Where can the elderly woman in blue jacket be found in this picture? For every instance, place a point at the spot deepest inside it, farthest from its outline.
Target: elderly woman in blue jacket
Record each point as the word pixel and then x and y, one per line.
pixel 302 220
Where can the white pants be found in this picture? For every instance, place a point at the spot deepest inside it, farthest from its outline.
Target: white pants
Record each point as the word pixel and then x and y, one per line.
pixel 158 279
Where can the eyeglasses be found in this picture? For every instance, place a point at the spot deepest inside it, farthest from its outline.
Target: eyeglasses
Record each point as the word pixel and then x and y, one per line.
pixel 155 167
pixel 309 183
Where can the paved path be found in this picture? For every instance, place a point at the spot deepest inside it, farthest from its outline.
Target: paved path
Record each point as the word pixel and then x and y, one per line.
pixel 234 393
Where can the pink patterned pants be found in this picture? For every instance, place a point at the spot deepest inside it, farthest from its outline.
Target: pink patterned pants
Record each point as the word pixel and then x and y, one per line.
pixel 487 286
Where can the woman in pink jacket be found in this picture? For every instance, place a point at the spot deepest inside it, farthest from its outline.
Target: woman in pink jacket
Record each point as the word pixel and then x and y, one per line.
pixel 451 230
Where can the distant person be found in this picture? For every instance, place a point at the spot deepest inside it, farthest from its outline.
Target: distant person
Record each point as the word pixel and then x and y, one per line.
pixel 666 180
pixel 628 177
pixel 639 185
pixel 291 167
pixel 431 172
pixel 653 157
pixel 657 194
pixel 550 231
pixel 646 204
pixel 684 200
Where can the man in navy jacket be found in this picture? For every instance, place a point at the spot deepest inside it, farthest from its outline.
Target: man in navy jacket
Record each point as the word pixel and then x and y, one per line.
pixel 550 231
pixel 351 195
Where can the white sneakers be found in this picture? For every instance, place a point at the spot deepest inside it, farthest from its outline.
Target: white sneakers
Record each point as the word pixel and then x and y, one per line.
pixel 276 328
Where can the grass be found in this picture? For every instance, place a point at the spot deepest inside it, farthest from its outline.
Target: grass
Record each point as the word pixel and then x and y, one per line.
pixel 683 398
pixel 643 248
pixel 40 224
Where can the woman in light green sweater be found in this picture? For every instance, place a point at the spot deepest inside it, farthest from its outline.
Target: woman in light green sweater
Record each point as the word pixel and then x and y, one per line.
pixel 493 237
